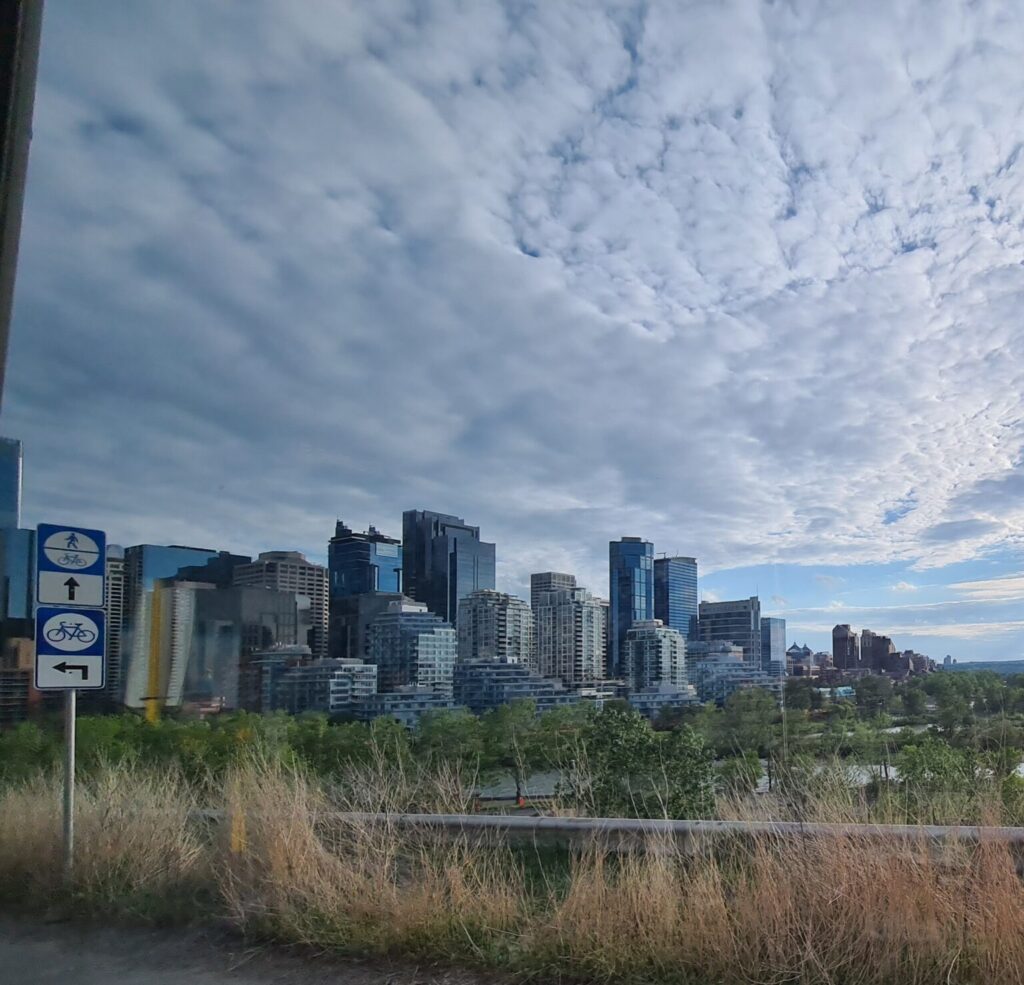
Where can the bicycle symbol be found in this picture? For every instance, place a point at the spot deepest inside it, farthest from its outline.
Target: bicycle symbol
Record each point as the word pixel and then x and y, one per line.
pixel 66 631
pixel 73 561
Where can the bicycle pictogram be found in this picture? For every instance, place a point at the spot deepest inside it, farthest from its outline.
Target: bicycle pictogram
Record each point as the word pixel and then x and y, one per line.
pixel 68 631
pixel 73 561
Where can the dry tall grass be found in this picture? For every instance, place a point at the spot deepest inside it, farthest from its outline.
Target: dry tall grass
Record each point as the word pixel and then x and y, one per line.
pixel 828 910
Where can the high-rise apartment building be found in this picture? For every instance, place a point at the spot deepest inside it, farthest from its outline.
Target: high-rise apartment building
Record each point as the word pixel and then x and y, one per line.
pixel 571 634
pixel 412 646
pixel 845 648
pixel 631 593
pixel 17 581
pixel 496 626
pixel 350 620
pixel 113 603
pixel 675 594
pixel 289 571
pixel 654 653
pixel 773 645
pixel 737 621
pixel 363 562
pixel 443 560
pixel 549 581
pixel 10 483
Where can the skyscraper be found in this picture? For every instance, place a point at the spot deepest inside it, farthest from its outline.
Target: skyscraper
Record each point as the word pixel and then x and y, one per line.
pixel 571 631
pixel 413 647
pixel 10 483
pixel 443 560
pixel 496 626
pixel 631 592
pixel 773 645
pixel 363 562
pixel 675 594
pixel 113 602
pixel 653 653
pixel 737 621
pixel 549 581
pixel 144 565
pixel 289 571
pixel 845 648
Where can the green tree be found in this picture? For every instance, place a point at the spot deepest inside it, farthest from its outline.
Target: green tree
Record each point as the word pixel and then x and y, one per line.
pixel 449 736
pixel 510 741
pixel 874 695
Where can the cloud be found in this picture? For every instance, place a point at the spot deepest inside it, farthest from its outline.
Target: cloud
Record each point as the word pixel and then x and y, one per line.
pixel 904 586
pixel 707 595
pixel 1009 588
pixel 572 271
pixel 779 601
pixel 830 582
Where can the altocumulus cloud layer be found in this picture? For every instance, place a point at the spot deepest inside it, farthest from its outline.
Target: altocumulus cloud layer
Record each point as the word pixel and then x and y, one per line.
pixel 741 277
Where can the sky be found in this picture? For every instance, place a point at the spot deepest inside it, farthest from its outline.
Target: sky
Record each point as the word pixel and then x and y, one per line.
pixel 742 278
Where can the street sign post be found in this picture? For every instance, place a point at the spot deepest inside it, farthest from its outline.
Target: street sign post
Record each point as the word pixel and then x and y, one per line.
pixel 71 565
pixel 70 647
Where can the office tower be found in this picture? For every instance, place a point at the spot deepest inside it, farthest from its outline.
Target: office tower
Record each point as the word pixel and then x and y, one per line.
pixel 631 593
pixel 675 594
pixel 113 603
pixel 652 654
pixel 737 621
pixel 144 566
pixel 496 626
pixel 845 648
pixel 350 620
pixel 366 562
pixel 203 637
pixel 289 571
pixel 571 634
pixel 218 570
pixel 877 652
pixel 773 645
pixel 17 582
pixel 412 646
pixel 10 483
pixel 549 581
pixel 443 560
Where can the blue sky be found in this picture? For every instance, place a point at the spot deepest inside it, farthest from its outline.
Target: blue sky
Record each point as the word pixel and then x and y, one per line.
pixel 742 278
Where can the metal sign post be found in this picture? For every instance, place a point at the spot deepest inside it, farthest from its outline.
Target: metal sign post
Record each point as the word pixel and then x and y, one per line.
pixel 70 636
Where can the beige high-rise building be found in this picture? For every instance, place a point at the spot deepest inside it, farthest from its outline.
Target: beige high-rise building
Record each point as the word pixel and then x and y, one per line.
pixel 289 571
pixel 495 626
pixel 571 630
pixel 549 581
pixel 113 603
pixel 652 654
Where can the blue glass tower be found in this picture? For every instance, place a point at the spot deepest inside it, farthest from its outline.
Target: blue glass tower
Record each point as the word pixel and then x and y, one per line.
pixel 631 592
pixel 675 594
pixel 360 563
pixel 443 560
pixel 773 645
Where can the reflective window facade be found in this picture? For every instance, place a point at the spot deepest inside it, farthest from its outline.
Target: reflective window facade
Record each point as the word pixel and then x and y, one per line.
pixel 443 561
pixel 738 622
pixel 630 591
pixel 363 562
pixel 773 645
pixel 675 594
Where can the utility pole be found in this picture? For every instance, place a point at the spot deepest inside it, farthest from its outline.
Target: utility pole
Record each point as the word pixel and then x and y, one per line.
pixel 20 27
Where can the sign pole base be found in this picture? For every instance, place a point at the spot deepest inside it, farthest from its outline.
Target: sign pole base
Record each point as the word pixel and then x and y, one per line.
pixel 69 786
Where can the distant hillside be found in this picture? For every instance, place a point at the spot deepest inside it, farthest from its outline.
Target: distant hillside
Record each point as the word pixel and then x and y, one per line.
pixel 1003 667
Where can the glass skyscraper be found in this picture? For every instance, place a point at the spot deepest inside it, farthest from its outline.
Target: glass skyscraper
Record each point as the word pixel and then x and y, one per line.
pixel 443 560
pixel 737 621
pixel 360 563
pixel 10 483
pixel 773 645
pixel 675 594
pixel 630 591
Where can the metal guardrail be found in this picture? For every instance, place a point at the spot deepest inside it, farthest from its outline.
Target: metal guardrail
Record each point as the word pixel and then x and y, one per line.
pixel 581 830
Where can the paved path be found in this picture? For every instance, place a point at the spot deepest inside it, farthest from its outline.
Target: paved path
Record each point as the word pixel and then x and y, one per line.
pixel 35 953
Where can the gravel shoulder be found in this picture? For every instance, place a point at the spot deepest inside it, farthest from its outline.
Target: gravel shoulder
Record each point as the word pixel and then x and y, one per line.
pixel 33 952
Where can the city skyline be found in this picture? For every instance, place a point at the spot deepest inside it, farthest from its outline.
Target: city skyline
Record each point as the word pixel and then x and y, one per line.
pixel 581 279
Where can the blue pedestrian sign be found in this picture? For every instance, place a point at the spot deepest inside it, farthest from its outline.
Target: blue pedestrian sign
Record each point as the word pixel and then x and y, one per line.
pixel 70 565
pixel 70 649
